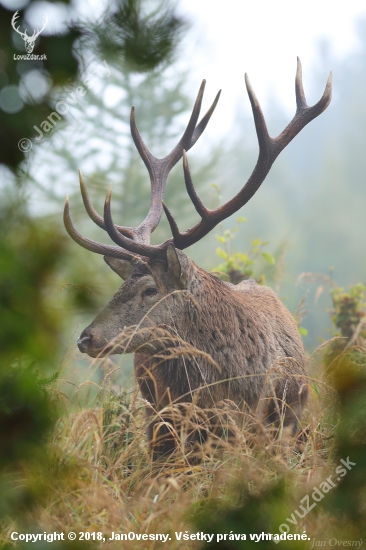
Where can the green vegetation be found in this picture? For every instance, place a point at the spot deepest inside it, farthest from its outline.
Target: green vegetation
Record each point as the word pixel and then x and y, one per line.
pixel 73 450
pixel 91 471
pixel 128 35
pixel 239 266
pixel 348 313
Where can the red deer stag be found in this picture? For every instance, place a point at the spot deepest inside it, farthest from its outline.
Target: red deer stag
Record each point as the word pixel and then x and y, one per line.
pixel 166 298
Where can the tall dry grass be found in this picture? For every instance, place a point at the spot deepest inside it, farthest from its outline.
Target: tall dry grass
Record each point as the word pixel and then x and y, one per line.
pixel 101 476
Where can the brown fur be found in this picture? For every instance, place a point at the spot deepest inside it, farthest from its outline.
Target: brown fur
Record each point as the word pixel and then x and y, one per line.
pixel 251 351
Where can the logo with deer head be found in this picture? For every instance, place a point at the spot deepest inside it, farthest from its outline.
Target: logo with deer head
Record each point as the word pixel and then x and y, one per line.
pixel 29 40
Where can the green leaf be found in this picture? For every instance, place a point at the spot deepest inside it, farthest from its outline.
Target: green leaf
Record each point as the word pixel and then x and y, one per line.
pixel 268 257
pixel 220 252
pixel 215 186
pixel 221 239
pixel 241 257
pixel 303 331
pixel 241 219
pixel 256 242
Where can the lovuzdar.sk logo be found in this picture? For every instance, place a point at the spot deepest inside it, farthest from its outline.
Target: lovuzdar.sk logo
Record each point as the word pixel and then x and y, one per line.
pixel 29 40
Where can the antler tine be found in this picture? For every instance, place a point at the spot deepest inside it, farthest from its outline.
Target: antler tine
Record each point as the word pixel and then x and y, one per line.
pixel 93 246
pixel 178 237
pixel 45 17
pixel 13 21
pixel 201 209
pixel 269 149
pixel 143 249
pixel 259 120
pixel 184 143
pixel 152 162
pixel 93 214
pixel 191 236
pixel 193 132
pixel 131 247
pixel 188 139
pixel 204 121
pixel 173 224
pixel 159 168
pixel 304 114
pixel 299 88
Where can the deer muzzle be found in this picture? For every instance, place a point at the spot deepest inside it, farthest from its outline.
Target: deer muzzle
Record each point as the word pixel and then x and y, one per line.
pixel 84 341
pixel 89 342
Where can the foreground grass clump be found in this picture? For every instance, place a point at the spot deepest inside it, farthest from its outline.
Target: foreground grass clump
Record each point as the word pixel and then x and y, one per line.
pixel 101 477
pixel 90 470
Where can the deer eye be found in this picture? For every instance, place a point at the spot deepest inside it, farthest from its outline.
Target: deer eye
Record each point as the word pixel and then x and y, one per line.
pixel 150 291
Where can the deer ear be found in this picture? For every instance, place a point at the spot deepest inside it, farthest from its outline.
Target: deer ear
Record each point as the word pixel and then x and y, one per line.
pixel 174 266
pixel 123 268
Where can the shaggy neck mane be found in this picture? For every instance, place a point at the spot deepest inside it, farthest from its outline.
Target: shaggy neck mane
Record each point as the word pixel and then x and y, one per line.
pixel 212 322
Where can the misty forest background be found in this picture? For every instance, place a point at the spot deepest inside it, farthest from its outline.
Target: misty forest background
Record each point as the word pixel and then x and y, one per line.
pixel 310 209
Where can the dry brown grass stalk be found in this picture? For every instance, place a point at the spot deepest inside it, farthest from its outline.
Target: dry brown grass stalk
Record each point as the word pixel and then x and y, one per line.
pixel 103 477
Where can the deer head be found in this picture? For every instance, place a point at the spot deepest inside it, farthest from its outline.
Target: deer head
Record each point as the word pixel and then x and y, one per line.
pixel 156 275
pixel 29 40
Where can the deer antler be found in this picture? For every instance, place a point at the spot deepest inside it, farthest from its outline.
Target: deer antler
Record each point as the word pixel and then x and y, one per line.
pixel 269 149
pixel 136 240
pixel 13 21
pixel 38 32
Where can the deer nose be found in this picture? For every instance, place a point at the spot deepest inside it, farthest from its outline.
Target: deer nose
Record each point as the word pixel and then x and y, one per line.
pixel 84 340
